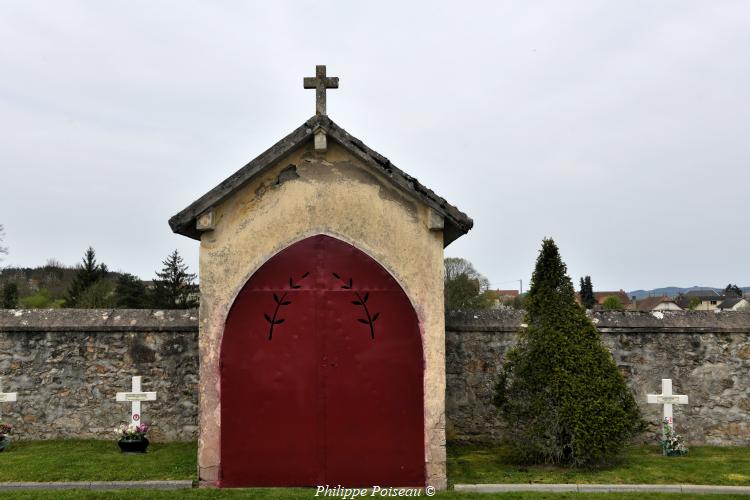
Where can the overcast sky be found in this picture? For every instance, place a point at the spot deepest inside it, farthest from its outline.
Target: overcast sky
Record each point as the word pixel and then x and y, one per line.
pixel 620 129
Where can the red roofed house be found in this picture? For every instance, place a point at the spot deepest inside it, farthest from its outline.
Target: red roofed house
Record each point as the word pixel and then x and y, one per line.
pixel 621 294
pixel 662 303
pixel 505 296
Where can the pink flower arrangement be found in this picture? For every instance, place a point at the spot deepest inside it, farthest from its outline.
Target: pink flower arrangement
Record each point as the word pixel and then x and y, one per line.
pixel 131 432
pixel 5 429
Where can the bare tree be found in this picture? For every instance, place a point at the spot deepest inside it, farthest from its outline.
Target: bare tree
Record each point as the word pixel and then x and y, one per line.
pixel 464 287
pixel 3 250
pixel 455 267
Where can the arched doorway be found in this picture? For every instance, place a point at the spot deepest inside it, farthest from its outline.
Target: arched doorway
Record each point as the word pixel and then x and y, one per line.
pixel 321 374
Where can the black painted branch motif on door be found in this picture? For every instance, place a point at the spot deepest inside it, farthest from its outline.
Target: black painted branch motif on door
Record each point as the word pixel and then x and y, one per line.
pixel 281 302
pixel 362 302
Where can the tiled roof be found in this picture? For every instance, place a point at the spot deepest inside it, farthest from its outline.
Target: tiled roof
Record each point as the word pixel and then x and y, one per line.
pixel 620 294
pixel 649 303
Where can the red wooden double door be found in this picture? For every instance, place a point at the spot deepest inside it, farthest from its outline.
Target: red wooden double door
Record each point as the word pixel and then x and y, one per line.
pixel 322 374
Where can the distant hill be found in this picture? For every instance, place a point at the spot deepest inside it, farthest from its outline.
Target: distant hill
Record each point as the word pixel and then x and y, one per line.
pixel 51 281
pixel 674 291
pixel 53 277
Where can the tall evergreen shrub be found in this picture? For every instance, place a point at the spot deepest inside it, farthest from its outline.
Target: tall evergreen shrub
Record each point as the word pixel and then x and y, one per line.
pixel 588 299
pixel 10 295
pixel 87 273
pixel 560 391
pixel 173 286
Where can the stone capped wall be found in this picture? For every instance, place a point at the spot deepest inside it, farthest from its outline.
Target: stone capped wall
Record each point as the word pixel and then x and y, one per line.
pixel 66 366
pixel 706 354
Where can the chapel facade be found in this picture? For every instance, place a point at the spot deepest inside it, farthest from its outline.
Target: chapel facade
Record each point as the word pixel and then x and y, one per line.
pixel 322 336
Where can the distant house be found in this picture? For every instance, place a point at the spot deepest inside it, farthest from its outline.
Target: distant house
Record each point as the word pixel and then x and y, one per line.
pixel 620 294
pixel 504 296
pixel 734 304
pixel 709 300
pixel 662 303
pixel 600 297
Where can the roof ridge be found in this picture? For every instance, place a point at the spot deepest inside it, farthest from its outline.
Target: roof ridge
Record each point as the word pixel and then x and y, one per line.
pixel 184 222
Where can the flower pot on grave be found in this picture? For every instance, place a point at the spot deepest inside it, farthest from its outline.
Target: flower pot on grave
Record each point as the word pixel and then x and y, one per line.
pixel 133 445
pixel 671 449
pixel 4 442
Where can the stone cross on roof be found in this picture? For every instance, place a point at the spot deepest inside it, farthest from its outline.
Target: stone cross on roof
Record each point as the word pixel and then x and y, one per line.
pixel 320 82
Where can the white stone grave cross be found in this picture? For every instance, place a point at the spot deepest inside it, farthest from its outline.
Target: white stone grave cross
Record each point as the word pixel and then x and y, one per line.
pixel 667 399
pixel 6 397
pixel 135 396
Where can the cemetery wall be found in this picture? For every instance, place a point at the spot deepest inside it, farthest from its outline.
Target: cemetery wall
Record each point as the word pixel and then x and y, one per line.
pixel 707 355
pixel 66 366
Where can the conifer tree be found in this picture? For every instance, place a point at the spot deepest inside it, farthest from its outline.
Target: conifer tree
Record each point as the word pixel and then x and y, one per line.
pixel 174 288
pixel 733 291
pixel 130 292
pixel 582 292
pixel 88 273
pixel 10 295
pixel 560 391
pixel 588 300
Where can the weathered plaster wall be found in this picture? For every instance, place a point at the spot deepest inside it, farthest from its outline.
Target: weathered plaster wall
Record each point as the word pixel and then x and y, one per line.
pixel 306 194
pixel 706 354
pixel 67 365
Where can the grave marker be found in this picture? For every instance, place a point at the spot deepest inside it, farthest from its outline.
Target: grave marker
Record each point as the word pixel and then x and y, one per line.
pixel 667 399
pixel 135 396
pixel 6 397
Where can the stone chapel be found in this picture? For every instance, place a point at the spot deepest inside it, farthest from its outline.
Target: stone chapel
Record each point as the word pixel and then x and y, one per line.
pixel 322 339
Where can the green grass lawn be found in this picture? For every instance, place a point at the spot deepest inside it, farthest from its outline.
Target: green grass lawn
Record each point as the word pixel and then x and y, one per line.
pixel 72 460
pixel 299 494
pixel 473 464
pixel 89 460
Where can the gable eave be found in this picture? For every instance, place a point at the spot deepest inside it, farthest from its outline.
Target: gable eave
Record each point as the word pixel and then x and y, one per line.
pixel 457 223
pixel 184 221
